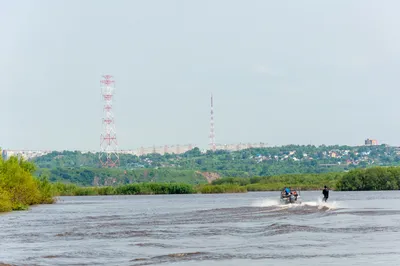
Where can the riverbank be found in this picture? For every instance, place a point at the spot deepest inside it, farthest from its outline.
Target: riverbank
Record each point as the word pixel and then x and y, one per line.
pixel 367 179
pixel 19 188
pixel 277 183
pixel 60 189
pixel 222 185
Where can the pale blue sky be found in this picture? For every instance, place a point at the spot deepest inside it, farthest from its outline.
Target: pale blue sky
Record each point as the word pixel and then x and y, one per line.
pixel 282 72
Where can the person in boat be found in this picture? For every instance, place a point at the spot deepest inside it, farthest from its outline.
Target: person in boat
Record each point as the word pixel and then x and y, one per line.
pixel 295 194
pixel 283 193
pixel 325 192
pixel 287 191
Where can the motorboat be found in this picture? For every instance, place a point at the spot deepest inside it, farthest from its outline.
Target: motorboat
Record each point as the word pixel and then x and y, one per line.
pixel 293 197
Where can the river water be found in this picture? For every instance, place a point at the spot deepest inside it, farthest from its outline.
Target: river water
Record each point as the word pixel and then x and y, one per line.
pixel 361 228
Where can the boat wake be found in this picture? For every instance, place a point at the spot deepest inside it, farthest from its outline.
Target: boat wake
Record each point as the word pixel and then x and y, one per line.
pixel 318 204
pixel 266 203
pixel 323 205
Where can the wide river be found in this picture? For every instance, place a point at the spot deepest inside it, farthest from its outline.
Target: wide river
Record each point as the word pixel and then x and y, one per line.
pixel 360 228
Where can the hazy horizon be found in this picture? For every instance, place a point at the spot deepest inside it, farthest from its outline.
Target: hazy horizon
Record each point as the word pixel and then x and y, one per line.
pixel 281 72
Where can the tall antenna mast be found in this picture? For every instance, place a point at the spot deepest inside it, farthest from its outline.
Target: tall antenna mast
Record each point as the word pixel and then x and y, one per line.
pixel 212 133
pixel 108 139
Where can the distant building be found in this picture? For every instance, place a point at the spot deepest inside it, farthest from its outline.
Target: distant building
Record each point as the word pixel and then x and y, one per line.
pixel 369 142
pixel 4 154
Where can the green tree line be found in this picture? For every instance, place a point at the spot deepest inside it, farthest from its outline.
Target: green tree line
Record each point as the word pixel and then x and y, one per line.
pixel 19 188
pixel 60 189
pixel 274 183
pixel 376 178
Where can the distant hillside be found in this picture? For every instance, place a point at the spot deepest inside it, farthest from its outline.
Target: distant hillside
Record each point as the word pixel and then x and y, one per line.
pixel 196 167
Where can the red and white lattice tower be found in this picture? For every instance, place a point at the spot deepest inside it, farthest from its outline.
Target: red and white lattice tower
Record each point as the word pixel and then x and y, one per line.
pixel 212 133
pixel 108 139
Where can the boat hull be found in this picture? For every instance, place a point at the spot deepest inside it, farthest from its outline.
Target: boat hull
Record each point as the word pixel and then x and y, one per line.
pixel 291 200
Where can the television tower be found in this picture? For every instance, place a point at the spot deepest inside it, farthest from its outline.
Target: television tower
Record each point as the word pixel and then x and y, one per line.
pixel 108 139
pixel 212 133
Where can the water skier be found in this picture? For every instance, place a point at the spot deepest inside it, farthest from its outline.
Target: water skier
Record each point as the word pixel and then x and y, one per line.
pixel 325 192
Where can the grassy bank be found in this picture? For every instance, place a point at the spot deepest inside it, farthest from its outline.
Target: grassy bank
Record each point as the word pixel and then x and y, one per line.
pixel 60 189
pixel 367 179
pixel 275 183
pixel 19 188
pixel 224 188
